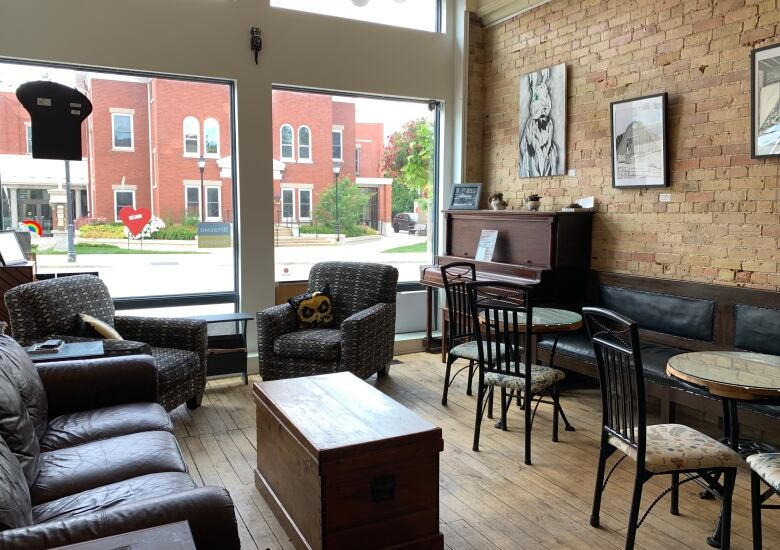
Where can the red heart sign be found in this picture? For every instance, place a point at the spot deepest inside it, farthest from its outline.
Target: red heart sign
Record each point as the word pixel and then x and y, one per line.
pixel 135 219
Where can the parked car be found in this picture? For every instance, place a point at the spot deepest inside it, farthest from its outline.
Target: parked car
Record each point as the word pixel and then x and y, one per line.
pixel 404 221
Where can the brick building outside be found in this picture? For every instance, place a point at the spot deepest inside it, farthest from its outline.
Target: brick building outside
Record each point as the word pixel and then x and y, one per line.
pixel 142 145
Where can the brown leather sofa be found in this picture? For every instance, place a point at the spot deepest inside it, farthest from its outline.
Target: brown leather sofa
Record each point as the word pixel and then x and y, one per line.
pixel 86 452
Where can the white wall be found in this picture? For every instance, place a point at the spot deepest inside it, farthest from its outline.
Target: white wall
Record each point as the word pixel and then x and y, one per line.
pixel 211 38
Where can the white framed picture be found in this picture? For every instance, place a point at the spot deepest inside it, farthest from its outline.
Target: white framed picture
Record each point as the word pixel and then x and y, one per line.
pixel 765 101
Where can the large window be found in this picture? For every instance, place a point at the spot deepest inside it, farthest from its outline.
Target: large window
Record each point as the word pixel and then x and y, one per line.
pixel 28 136
pixel 211 138
pixel 304 144
pixel 286 139
pixel 181 260
pixel 123 198
pixel 191 129
pixel 413 14
pixel 122 127
pixel 371 188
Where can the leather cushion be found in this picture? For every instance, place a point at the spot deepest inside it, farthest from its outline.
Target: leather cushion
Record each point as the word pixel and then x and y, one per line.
pixel 75 469
pixel 16 428
pixel 678 315
pixel 102 498
pixel 76 428
pixel 175 366
pixel 15 508
pixel 761 408
pixel 577 344
pixel 757 329
pixel 322 343
pixel 15 362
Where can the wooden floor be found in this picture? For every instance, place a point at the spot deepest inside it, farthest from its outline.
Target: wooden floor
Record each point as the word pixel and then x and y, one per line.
pixel 489 499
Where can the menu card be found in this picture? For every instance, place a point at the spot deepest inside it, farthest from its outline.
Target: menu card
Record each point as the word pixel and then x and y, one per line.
pixel 486 246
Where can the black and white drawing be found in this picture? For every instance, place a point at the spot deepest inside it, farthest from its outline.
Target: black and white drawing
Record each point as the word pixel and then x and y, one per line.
pixel 765 101
pixel 639 149
pixel 543 122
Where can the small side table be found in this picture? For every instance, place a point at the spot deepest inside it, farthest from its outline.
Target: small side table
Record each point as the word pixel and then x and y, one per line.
pixel 173 536
pixel 71 350
pixel 227 343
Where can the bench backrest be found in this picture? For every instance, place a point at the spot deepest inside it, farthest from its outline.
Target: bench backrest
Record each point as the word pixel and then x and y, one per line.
pixel 757 329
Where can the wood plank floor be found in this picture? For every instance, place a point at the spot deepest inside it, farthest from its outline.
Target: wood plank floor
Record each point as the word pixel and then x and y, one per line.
pixel 488 499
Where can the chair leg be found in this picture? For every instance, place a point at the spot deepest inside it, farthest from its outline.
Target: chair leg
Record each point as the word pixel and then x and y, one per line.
pixel 478 422
pixel 755 502
pixel 633 517
pixel 471 376
pixel 450 361
pixel 504 407
pixel 604 454
pixel 556 411
pixel 490 401
pixel 675 506
pixel 728 491
pixel 527 406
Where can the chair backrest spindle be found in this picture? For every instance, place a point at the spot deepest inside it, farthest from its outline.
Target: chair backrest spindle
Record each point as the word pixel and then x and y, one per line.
pixel 455 276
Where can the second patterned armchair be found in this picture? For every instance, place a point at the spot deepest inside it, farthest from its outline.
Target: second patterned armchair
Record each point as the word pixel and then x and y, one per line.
pixel 362 332
pixel 48 309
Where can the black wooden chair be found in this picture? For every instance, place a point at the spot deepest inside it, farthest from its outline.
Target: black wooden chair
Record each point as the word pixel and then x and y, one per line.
pixel 766 467
pixel 659 449
pixel 504 344
pixel 461 342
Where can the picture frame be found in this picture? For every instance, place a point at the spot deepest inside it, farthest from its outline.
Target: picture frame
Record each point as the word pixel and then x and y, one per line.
pixel 465 196
pixel 11 252
pixel 764 102
pixel 542 116
pixel 640 150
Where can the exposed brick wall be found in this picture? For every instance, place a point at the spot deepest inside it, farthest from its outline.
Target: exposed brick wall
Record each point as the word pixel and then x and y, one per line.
pixel 475 109
pixel 723 222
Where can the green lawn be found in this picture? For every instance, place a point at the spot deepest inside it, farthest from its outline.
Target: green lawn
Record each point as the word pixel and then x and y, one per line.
pixel 89 248
pixel 417 247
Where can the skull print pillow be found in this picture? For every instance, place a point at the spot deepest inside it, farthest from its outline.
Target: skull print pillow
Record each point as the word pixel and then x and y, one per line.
pixel 313 309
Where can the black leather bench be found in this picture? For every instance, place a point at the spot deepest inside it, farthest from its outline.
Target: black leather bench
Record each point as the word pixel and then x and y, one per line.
pixel 675 317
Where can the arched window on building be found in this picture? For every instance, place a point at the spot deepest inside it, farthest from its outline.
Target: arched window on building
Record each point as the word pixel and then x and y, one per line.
pixel 286 134
pixel 304 144
pixel 211 138
pixel 191 129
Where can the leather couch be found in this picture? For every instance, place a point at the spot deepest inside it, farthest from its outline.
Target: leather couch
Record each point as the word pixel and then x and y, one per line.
pixel 675 318
pixel 86 452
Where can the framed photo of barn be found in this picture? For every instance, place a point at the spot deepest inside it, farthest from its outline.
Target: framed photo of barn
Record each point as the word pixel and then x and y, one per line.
pixel 639 142
pixel 765 101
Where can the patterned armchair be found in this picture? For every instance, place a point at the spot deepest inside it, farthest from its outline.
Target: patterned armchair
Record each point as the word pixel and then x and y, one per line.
pixel 48 309
pixel 361 341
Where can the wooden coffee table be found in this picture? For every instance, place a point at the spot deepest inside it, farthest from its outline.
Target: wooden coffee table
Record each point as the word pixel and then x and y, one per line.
pixel 344 466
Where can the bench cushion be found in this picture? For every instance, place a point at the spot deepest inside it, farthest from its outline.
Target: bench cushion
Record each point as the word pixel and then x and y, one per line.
pixel 678 315
pixel 577 345
pixel 756 329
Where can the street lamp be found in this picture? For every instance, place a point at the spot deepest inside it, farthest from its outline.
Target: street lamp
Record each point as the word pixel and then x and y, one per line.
pixel 336 170
pixel 202 167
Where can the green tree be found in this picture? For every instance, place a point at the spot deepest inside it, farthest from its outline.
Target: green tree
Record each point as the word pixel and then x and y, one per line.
pixel 408 159
pixel 403 198
pixel 351 201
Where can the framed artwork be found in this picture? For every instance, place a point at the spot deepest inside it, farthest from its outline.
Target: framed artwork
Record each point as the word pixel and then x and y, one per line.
pixel 543 122
pixel 765 101
pixel 11 252
pixel 465 196
pixel 639 144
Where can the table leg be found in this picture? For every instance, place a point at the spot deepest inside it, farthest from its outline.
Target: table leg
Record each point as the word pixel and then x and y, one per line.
pixel 428 318
pixel 731 433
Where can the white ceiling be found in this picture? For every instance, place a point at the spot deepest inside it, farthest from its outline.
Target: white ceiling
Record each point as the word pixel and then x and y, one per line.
pixel 493 11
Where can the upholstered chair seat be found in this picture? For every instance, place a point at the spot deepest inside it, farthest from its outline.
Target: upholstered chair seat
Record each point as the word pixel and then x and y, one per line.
pixel 766 465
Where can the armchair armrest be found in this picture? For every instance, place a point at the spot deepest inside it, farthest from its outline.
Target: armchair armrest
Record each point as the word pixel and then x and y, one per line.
pixel 209 511
pixel 187 334
pixel 272 323
pixel 85 384
pixel 367 340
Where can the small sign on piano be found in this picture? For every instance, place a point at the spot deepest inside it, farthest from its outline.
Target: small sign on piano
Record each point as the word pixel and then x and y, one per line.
pixel 486 246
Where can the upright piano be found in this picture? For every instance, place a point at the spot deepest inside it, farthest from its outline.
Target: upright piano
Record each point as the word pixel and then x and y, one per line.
pixel 549 250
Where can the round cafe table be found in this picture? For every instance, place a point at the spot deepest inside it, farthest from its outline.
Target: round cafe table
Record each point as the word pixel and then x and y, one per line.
pixel 731 376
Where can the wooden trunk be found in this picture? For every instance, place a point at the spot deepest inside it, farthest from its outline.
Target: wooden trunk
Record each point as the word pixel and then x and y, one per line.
pixel 344 466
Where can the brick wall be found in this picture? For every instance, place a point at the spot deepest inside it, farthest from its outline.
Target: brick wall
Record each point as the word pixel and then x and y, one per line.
pixel 723 222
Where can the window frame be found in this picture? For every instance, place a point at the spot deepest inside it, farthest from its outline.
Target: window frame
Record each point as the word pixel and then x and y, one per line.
pixel 340 132
pixel 301 217
pixel 28 137
pixel 187 187
pixel 116 209
pixel 301 158
pixel 281 204
pixel 196 125
pixel 282 158
pixel 218 217
pixel 357 159
pixel 206 154
pixel 114 146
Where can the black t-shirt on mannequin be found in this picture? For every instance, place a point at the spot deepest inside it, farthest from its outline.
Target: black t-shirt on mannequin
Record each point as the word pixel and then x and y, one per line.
pixel 56 112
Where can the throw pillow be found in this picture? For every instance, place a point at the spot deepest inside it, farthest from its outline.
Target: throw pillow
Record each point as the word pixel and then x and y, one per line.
pixel 90 326
pixel 313 309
